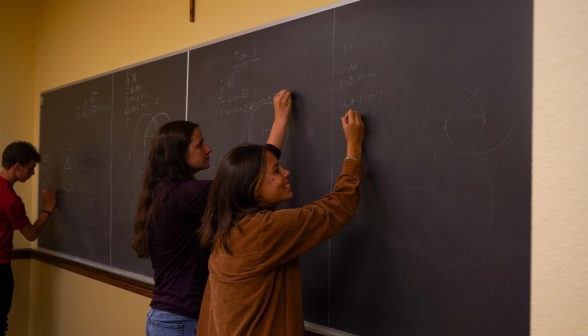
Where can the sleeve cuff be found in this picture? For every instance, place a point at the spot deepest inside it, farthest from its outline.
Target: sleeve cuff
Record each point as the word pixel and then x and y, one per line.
pixel 274 150
pixel 352 167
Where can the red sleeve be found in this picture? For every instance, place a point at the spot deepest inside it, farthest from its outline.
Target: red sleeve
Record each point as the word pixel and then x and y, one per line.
pixel 17 215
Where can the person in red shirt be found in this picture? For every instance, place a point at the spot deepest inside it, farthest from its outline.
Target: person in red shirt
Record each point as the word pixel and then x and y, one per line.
pixel 19 160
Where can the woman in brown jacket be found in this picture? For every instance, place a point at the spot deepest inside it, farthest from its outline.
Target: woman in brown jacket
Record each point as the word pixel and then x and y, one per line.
pixel 254 286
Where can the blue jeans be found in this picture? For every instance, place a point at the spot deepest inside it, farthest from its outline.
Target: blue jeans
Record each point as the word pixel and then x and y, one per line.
pixel 162 323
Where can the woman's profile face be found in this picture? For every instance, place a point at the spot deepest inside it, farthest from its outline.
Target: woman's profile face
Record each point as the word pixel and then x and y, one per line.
pixel 198 154
pixel 275 185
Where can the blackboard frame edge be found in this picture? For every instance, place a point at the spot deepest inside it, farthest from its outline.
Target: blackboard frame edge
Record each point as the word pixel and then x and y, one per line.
pixel 117 272
pixel 90 271
pixel 317 329
pixel 126 283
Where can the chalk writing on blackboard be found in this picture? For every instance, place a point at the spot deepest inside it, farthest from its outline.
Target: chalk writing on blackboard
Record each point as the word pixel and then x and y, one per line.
pixel 244 58
pixel 365 96
pixel 46 170
pixel 355 79
pixel 348 48
pixel 88 109
pixel 135 95
pixel 244 107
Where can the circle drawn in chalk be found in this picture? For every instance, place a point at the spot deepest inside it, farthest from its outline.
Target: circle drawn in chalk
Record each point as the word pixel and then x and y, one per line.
pixel 260 123
pixel 69 170
pixel 145 132
pixel 460 121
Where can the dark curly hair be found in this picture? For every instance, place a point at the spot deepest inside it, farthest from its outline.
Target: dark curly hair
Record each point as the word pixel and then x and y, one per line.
pixel 19 152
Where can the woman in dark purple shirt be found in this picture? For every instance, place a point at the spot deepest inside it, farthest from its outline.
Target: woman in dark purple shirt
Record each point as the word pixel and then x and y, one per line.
pixel 170 209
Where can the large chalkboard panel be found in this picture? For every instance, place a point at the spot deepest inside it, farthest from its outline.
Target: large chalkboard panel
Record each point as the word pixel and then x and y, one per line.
pixel 75 148
pixel 95 138
pixel 441 241
pixel 145 97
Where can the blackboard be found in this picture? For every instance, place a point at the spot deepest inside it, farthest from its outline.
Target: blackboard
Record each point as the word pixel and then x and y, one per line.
pixel 95 138
pixel 144 98
pixel 441 241
pixel 75 150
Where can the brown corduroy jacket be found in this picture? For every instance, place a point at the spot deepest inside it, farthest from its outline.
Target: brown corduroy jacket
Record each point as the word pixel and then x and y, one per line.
pixel 257 289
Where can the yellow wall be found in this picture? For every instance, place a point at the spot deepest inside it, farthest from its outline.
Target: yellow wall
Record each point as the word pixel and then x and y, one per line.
pixel 67 304
pixel 559 296
pixel 17 80
pixel 77 39
pixel 17 110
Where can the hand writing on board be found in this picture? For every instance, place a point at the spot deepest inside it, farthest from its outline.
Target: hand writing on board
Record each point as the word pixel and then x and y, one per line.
pixel 282 110
pixel 49 200
pixel 354 129
pixel 283 105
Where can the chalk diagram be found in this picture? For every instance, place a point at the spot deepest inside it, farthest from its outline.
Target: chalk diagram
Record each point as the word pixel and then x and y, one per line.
pixel 460 121
pixel 455 197
pixel 260 123
pixel 68 180
pixel 145 132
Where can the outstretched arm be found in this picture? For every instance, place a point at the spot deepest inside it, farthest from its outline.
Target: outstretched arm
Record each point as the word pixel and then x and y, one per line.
pixel 289 233
pixel 32 232
pixel 282 111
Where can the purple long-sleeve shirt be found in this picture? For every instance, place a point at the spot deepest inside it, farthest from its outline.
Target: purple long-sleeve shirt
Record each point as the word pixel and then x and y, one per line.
pixel 179 263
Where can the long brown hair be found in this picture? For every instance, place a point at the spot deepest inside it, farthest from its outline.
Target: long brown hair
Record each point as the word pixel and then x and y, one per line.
pixel 166 163
pixel 232 195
